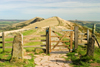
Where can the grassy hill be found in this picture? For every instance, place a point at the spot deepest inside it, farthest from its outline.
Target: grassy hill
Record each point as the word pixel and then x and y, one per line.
pixel 88 24
pixel 20 25
pixel 41 22
pixel 5 23
pixel 52 21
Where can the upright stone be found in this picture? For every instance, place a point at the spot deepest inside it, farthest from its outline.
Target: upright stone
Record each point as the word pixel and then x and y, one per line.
pixel 17 48
pixel 90 47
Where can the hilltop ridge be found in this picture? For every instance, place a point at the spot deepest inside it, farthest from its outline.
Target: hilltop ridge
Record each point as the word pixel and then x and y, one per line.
pixel 43 23
pixel 52 21
pixel 24 23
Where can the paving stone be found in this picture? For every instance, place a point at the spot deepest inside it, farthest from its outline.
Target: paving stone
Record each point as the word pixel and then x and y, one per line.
pixel 55 56
pixel 60 59
pixel 43 61
pixel 51 64
pixel 45 58
pixel 37 55
pixel 56 65
pixel 66 65
pixel 38 66
pixel 40 57
pixel 45 64
pixel 37 59
pixel 51 58
pixel 61 64
pixel 54 60
pixel 37 63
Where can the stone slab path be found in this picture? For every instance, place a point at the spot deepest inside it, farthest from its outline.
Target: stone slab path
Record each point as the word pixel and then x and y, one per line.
pixel 54 60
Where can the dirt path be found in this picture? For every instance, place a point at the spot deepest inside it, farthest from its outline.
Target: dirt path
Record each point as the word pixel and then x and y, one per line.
pixel 54 60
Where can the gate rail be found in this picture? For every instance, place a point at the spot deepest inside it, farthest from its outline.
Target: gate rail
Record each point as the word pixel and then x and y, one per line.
pixel 48 40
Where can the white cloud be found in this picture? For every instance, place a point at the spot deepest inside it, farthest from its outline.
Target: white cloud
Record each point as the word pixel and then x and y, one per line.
pixel 49 7
pixel 34 0
pixel 69 5
pixel 61 11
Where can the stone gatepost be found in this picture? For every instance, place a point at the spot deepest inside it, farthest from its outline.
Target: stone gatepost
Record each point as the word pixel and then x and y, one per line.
pixel 90 47
pixel 17 48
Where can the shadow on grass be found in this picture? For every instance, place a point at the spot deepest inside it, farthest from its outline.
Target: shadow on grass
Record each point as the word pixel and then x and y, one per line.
pixel 3 60
pixel 0 47
pixel 82 60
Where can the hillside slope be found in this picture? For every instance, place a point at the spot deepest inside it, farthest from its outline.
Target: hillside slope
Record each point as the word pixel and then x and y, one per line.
pixel 43 23
pixel 25 23
pixel 88 24
pixel 53 21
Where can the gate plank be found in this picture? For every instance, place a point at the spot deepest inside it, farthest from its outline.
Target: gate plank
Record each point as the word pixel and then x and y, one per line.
pixel 67 30
pixel 61 45
pixel 58 42
pixel 50 39
pixel 61 40
pixel 71 38
pixel 59 36
pixel 60 50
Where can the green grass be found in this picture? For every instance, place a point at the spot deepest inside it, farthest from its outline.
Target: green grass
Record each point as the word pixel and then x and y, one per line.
pixel 4 23
pixel 28 32
pixel 8 44
pixel 5 60
pixel 58 34
pixel 6 55
pixel 42 32
pixel 9 39
pixel 30 49
pixel 98 38
pixel 38 38
pixel 64 39
pixel 82 60
pixel 33 43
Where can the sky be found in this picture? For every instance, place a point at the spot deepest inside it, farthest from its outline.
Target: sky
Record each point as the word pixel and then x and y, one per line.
pixel 65 9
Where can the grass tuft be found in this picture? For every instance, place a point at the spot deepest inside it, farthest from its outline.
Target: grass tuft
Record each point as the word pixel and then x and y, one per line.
pixel 82 60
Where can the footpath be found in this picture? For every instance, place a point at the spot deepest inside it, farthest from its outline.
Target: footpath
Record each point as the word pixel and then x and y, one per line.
pixel 54 60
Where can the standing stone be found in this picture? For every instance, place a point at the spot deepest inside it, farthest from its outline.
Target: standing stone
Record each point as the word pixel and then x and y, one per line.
pixel 17 48
pixel 90 47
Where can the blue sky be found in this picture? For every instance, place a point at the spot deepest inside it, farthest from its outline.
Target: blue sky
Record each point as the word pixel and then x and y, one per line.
pixel 66 9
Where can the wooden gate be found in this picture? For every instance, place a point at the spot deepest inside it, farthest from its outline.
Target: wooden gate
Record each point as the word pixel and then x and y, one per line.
pixel 50 47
